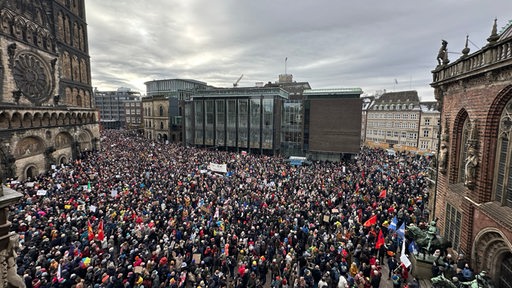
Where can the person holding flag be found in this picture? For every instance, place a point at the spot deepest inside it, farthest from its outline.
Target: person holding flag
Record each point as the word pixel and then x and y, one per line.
pixel 101 232
pixel 401 231
pixel 90 233
pixel 371 221
pixel 380 240
pixel 413 248
pixel 393 224
pixel 383 193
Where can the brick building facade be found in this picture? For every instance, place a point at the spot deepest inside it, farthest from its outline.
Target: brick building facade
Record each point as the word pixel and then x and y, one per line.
pixel 474 196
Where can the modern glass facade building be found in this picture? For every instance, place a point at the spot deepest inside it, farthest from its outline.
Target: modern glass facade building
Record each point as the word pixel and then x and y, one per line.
pixel 235 119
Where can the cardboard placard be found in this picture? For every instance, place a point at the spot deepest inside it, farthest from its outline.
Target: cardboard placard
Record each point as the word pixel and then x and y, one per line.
pixel 197 258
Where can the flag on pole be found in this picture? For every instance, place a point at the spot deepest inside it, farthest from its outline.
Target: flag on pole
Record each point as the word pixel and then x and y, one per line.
pixel 380 240
pixel 413 248
pixel 371 221
pixel 393 224
pixel 101 232
pixel 401 231
pixel 382 193
pixel 90 233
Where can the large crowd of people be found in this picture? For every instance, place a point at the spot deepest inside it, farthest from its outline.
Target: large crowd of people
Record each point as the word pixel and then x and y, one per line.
pixel 144 214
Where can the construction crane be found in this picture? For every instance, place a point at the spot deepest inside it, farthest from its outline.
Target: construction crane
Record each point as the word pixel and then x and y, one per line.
pixel 236 83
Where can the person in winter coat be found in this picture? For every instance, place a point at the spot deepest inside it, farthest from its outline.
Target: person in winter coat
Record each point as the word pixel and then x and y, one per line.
pixel 342 282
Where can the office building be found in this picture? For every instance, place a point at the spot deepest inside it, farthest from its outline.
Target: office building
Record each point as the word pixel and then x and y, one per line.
pixel 111 106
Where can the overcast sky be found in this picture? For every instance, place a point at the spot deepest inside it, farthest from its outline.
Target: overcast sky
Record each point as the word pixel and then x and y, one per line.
pixel 329 43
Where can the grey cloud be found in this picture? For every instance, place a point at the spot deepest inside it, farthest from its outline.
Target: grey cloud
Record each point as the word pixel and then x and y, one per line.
pixel 363 44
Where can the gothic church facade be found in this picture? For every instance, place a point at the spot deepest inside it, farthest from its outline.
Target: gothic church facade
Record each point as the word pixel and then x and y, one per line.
pixel 47 114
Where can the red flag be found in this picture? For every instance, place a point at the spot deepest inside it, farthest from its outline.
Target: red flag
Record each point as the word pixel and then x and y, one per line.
pixel 380 240
pixel 382 193
pixel 371 221
pixel 90 234
pixel 101 233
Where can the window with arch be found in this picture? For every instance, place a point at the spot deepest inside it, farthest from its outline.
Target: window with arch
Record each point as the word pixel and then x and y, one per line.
pixel 161 111
pixel 503 175
pixel 161 125
pixel 463 153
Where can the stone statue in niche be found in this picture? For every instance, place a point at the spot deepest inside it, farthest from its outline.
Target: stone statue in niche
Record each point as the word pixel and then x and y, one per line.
pixel 443 158
pixel 470 167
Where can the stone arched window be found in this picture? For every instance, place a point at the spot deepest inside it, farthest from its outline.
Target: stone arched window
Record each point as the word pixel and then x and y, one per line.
pixel 457 150
pixel 503 170
pixel 83 72
pixel 66 65
pixel 161 111
pixel 76 68
pixel 76 35
pixel 79 100
pixel 81 38
pixel 463 151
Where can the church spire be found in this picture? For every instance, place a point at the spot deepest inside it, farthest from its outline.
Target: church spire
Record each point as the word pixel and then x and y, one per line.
pixel 494 33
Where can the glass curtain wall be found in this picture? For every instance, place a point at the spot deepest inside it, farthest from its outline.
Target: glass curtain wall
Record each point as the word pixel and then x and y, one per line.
pixel 189 125
pixel 209 123
pixel 220 131
pixel 268 123
pixel 198 121
pixel 243 117
pixel 231 123
pixel 291 128
pixel 255 123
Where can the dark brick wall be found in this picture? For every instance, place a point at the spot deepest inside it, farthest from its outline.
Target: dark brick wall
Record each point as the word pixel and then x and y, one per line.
pixel 480 97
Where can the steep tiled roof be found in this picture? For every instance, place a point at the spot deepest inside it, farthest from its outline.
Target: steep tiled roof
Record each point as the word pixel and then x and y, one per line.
pixel 506 32
pixel 399 97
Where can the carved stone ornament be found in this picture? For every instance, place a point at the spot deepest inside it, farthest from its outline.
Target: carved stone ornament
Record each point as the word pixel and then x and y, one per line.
pixel 32 76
